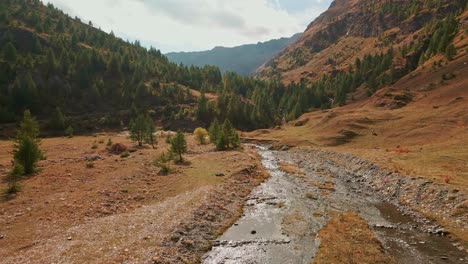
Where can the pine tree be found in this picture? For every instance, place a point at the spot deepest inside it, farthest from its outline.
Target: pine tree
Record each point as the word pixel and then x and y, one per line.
pixel 26 151
pixel 450 52
pixel 179 145
pixel 138 129
pixel 150 130
pixel 202 107
pixel 214 131
pixel 57 121
pixel 9 53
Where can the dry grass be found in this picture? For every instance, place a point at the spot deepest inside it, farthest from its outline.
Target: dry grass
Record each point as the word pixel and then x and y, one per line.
pixel 291 168
pixel 65 196
pixel 327 186
pixel 348 239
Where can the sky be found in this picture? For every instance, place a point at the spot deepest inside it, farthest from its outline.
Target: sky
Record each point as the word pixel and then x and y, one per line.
pixel 192 25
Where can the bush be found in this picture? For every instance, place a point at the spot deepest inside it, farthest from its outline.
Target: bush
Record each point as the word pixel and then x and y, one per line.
pixel 109 142
pixel 89 165
pixel 69 132
pixel 94 146
pixel 118 148
pixel 200 135
pixel 163 162
pixel 101 141
pixel 125 154
pixel 169 139
pixel 13 177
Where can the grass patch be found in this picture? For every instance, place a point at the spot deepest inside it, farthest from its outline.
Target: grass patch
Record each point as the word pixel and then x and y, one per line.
pixel 125 154
pixel 348 239
pixel 290 168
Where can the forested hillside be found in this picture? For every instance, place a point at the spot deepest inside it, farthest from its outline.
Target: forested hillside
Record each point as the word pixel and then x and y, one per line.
pixel 369 44
pixel 243 59
pixel 50 60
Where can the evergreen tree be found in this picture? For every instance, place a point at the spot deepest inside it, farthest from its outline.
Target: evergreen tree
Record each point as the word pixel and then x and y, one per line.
pixel 139 129
pixel 179 145
pixel 150 130
pixel 202 107
pixel 450 52
pixel 214 131
pixel 9 53
pixel 26 150
pixel 57 121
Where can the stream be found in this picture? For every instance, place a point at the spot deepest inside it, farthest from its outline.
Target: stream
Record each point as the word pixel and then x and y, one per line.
pixel 284 214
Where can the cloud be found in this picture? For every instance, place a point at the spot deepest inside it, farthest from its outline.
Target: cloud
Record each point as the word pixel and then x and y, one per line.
pixel 174 25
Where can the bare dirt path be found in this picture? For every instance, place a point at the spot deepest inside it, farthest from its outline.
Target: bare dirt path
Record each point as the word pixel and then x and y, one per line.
pixel 319 211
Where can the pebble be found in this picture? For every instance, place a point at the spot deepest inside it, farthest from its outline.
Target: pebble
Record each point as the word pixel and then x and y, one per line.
pixel 69 238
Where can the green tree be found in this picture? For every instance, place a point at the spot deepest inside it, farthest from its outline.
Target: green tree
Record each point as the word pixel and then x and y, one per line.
pixel 214 131
pixel 9 53
pixel 26 151
pixel 139 129
pixel 202 107
pixel 450 52
pixel 57 122
pixel 227 137
pixel 179 145
pixel 150 130
pixel 28 127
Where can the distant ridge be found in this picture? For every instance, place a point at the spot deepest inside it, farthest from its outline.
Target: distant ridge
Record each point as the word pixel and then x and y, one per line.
pixel 243 59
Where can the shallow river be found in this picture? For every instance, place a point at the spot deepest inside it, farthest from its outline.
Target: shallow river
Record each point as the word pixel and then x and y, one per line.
pixel 279 224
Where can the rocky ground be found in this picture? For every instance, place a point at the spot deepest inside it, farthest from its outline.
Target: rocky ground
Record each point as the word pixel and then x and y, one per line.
pixel 323 207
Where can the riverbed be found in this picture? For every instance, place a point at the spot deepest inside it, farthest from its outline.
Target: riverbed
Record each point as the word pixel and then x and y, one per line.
pixel 283 215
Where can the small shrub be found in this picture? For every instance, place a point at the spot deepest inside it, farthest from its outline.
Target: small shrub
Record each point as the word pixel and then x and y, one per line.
pixel 118 148
pixel 13 176
pixel 94 146
pixel 201 135
pixel 101 141
pixel 163 162
pixel 69 132
pixel 125 154
pixel 89 165
pixel 109 142
pixel 169 139
pixel 13 188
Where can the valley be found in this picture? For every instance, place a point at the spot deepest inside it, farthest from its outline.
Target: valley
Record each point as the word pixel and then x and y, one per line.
pixel 347 143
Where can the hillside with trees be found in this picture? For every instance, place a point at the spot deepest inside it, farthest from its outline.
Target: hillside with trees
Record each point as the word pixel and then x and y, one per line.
pixel 243 60
pixel 52 61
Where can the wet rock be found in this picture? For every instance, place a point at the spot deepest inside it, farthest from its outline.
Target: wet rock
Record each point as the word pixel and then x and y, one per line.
pixel 285 148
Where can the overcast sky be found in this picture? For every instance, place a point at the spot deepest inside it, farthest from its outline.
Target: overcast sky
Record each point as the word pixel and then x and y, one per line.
pixel 188 25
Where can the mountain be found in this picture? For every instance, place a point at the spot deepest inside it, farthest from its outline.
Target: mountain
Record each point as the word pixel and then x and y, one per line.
pixel 405 31
pixel 243 59
pixel 51 62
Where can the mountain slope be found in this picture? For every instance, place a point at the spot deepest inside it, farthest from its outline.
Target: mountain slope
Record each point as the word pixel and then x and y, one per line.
pixel 349 30
pixel 243 59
